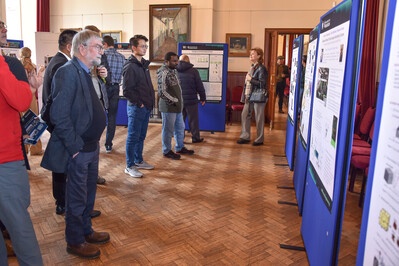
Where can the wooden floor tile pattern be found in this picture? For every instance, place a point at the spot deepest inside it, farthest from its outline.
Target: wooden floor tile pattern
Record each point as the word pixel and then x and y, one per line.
pixel 217 207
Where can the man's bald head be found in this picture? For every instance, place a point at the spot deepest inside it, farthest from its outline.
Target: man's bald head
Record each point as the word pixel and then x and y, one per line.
pixel 185 58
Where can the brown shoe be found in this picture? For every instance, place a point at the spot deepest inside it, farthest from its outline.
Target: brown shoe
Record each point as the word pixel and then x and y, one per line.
pixel 97 237
pixel 84 250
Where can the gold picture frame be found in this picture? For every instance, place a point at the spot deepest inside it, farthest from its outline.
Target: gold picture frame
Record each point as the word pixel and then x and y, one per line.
pixel 169 25
pixel 115 34
pixel 239 44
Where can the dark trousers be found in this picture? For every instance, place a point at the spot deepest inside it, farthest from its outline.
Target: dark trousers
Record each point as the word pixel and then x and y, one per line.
pixel 280 86
pixel 80 195
pixel 191 113
pixel 59 184
pixel 113 100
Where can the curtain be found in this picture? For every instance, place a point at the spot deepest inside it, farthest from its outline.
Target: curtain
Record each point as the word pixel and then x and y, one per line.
pixel 367 90
pixel 43 16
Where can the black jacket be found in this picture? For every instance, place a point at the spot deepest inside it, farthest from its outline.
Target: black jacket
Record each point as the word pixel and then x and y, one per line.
pixel 191 84
pixel 137 85
pixel 55 63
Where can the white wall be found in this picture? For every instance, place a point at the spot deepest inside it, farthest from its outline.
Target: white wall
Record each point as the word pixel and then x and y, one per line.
pixel 210 19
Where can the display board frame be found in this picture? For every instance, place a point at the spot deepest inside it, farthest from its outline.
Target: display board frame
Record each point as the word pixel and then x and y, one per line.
pixel 211 57
pixel 302 155
pixel 379 233
pixel 292 110
pixel 321 218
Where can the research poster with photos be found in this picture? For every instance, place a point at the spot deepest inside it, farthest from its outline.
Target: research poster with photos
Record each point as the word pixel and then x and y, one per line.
pixel 209 63
pixel 329 79
pixel 307 91
pixel 293 81
pixel 382 234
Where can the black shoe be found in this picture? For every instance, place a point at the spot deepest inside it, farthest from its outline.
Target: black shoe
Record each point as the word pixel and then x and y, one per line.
pixel 172 155
pixel 185 151
pixel 257 143
pixel 243 141
pixel 198 140
pixel 60 210
pixel 95 213
pixel 101 180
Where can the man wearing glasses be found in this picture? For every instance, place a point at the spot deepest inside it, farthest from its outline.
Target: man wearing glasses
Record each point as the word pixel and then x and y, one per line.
pixel 79 120
pixel 138 89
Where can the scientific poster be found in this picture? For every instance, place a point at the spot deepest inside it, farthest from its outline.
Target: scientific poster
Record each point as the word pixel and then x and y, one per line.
pixel 308 85
pixel 209 63
pixel 293 81
pixel 330 72
pixel 382 239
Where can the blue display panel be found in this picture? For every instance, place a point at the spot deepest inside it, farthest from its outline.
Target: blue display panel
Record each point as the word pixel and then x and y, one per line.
pixel 302 155
pixel 292 118
pixel 331 133
pixel 211 61
pixel 379 234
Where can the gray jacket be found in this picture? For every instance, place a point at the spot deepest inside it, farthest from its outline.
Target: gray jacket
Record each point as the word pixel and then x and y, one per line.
pixel 71 113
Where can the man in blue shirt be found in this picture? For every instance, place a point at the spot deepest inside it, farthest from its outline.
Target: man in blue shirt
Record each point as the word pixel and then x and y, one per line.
pixel 115 61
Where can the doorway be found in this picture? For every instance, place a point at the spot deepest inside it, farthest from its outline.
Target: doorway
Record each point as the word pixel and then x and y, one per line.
pixel 272 50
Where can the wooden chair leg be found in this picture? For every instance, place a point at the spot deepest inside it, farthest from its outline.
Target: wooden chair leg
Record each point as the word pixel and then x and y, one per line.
pixel 352 178
pixel 361 198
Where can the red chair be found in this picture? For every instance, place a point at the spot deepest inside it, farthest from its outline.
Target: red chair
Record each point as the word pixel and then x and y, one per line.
pixel 366 148
pixel 363 138
pixel 236 104
pixel 358 162
pixel 365 124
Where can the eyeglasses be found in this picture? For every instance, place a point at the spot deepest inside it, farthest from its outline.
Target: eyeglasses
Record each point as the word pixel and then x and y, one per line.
pixel 97 46
pixel 143 46
pixel 3 25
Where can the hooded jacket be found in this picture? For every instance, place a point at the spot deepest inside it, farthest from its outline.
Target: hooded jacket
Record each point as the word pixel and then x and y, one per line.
pixel 137 85
pixel 191 84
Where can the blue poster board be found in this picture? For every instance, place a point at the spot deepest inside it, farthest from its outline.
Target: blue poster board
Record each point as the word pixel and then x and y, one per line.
pixel 210 59
pixel 292 118
pixel 379 234
pixel 331 135
pixel 301 157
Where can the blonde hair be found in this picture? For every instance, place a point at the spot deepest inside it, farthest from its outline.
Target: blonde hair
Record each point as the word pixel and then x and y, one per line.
pixel 26 61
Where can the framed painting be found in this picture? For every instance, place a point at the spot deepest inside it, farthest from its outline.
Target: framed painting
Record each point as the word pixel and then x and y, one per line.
pixel 239 44
pixel 169 25
pixel 115 34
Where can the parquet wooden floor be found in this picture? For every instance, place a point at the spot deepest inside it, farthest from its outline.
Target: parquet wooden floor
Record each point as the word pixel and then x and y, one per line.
pixel 217 207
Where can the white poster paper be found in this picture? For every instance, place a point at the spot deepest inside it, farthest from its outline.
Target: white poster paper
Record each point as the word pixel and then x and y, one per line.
pixel 307 91
pixel 293 79
pixel 382 239
pixel 327 103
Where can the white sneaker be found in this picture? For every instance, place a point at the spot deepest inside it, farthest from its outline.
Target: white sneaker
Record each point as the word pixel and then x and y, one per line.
pixel 144 165
pixel 133 172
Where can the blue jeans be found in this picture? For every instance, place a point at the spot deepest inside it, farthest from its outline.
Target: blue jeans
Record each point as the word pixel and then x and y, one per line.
pixel 172 125
pixel 80 195
pixel 137 126
pixel 113 100
pixel 14 203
